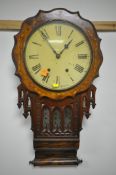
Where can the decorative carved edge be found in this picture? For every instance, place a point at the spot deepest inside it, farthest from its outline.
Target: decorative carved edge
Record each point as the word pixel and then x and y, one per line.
pixel 79 105
pixel 41 18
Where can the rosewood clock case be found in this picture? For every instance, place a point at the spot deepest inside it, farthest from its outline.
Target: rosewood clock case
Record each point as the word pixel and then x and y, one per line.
pixel 56 117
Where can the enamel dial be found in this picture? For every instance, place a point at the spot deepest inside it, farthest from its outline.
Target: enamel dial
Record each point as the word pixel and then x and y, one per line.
pixel 57 55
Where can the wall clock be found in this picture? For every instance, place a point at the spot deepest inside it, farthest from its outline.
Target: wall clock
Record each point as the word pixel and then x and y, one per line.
pixel 57 56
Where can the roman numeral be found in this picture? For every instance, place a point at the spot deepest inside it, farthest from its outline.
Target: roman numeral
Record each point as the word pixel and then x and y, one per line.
pixel 78 68
pixel 70 34
pixel 36 68
pixel 80 43
pixel 36 43
pixel 44 34
pixel 70 77
pixel 33 56
pixel 57 80
pixel 82 56
pixel 45 79
pixel 58 30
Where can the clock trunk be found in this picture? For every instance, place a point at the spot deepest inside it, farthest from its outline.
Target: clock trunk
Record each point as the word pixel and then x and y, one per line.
pixel 56 125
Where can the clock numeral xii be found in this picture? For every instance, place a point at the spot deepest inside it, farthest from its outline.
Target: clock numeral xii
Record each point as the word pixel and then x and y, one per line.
pixel 58 30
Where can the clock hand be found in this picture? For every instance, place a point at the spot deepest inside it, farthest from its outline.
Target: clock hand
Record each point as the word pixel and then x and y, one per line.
pixel 66 46
pixel 57 55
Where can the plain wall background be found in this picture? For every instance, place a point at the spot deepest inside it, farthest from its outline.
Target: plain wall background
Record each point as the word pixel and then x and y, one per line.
pixel 98 140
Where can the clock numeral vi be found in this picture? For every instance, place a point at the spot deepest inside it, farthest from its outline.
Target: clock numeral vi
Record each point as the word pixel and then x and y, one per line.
pixel 57 80
pixel 78 68
pixel 36 68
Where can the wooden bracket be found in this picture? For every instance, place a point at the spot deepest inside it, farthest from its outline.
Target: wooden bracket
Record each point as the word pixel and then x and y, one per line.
pixel 15 25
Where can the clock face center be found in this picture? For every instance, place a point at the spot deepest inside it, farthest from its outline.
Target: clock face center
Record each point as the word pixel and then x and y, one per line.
pixel 57 55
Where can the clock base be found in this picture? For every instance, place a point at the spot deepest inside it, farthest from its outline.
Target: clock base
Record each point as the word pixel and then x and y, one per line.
pixel 56 157
pixel 56 162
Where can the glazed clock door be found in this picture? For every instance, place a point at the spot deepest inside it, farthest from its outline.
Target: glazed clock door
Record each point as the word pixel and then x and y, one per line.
pixel 57 55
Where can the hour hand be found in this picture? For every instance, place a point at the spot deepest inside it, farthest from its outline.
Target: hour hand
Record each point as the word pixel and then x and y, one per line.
pixel 66 46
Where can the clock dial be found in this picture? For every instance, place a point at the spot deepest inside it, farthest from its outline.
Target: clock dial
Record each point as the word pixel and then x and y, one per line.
pixel 57 55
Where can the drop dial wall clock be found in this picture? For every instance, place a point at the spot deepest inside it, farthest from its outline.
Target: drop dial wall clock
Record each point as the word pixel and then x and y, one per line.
pixel 57 56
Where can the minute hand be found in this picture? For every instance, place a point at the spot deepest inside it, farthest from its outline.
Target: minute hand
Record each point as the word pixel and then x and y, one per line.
pixel 52 48
pixel 66 46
